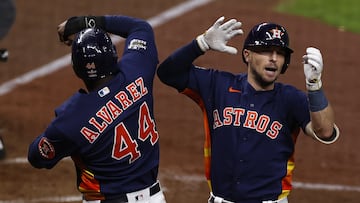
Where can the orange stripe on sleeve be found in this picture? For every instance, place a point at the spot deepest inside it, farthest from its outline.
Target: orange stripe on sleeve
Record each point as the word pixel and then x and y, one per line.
pixel 207 142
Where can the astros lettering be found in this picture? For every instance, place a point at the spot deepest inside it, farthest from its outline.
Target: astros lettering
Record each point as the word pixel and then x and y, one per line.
pixel 260 123
pixel 112 110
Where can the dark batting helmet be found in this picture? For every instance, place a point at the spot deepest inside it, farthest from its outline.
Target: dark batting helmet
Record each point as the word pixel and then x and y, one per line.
pixel 267 35
pixel 93 55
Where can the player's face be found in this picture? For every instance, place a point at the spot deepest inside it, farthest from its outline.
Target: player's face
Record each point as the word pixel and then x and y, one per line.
pixel 264 66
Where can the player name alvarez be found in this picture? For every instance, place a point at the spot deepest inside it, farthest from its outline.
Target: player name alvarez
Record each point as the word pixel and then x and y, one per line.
pixel 109 112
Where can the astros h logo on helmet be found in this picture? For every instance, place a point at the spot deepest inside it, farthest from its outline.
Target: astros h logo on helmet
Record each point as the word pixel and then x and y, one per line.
pixel 275 33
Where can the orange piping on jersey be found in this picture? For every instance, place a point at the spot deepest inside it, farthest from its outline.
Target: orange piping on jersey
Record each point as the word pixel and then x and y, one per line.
pixel 287 180
pixel 88 185
pixel 207 143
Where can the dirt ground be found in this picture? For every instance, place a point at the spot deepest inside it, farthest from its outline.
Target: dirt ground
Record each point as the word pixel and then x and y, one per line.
pixel 26 111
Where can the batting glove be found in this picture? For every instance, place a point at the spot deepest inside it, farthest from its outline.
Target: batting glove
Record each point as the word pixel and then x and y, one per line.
pixel 217 36
pixel 313 66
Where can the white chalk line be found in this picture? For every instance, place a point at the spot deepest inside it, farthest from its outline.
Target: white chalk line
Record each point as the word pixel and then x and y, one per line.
pixel 65 61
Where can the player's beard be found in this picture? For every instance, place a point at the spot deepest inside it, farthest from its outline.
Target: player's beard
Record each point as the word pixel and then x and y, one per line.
pixel 260 81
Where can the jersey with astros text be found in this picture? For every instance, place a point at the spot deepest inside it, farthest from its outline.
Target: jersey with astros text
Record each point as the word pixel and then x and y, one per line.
pixel 250 134
pixel 110 134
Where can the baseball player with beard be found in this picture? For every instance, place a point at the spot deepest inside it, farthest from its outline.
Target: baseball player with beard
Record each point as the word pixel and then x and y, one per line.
pixel 251 121
pixel 108 128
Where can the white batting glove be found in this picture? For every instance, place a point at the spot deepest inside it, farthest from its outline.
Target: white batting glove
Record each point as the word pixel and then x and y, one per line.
pixel 313 66
pixel 217 36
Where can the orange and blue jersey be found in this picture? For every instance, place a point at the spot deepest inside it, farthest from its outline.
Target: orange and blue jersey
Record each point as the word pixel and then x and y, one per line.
pixel 249 135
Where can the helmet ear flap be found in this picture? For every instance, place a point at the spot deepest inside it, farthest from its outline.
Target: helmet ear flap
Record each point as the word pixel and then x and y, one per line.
pixel 286 63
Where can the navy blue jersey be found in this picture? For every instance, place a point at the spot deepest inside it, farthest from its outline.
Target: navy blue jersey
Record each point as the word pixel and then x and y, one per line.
pixel 250 135
pixel 110 133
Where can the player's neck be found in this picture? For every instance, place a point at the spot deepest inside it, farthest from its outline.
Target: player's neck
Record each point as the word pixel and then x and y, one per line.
pixel 97 84
pixel 260 85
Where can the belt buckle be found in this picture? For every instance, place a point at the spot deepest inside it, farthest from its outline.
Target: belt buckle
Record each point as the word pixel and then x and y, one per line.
pixel 138 195
pixel 283 200
pixel 143 194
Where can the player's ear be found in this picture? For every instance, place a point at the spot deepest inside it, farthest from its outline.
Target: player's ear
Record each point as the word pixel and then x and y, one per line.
pixel 246 54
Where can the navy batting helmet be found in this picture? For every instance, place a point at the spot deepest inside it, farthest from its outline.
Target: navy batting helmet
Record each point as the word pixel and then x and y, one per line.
pixel 93 55
pixel 266 35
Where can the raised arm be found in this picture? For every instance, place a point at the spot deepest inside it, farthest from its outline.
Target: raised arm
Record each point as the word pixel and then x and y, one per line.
pixel 175 69
pixel 322 126
pixel 115 24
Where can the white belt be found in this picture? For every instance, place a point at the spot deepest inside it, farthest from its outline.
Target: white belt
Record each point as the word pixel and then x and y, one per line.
pixel 136 196
pixel 283 200
pixel 215 199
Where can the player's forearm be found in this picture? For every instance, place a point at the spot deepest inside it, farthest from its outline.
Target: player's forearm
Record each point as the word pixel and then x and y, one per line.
pixel 125 25
pixel 174 70
pixel 323 122
pixel 322 126
pixel 115 24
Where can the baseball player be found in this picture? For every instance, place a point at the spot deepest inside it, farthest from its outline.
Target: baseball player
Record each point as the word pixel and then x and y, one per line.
pixel 7 18
pixel 252 122
pixel 108 128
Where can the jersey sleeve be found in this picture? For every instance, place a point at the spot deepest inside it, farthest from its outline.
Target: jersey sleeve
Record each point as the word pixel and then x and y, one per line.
pixel 49 148
pixel 140 52
pixel 176 69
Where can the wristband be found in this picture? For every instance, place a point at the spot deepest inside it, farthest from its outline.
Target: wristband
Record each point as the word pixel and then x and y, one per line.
pixel 94 21
pixel 202 43
pixel 317 100
pixel 77 23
